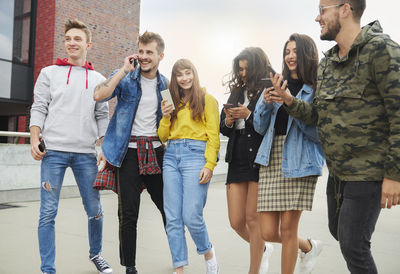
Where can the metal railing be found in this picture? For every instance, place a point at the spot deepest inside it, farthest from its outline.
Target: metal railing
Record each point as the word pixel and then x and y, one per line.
pixel 27 134
pixel 14 137
pixel 14 134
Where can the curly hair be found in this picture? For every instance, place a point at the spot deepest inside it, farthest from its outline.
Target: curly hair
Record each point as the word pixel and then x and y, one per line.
pixel 258 66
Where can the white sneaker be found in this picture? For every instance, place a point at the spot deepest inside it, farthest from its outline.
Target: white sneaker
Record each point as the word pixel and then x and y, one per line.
pixel 309 259
pixel 212 264
pixel 269 248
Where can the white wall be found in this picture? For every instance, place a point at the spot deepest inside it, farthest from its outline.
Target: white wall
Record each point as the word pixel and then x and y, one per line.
pixel 20 174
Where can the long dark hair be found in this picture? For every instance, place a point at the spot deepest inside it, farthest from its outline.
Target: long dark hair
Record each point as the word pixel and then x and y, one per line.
pixel 307 59
pixel 258 66
pixel 196 97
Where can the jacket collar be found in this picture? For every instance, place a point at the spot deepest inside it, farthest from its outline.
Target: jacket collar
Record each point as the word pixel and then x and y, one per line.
pixel 367 33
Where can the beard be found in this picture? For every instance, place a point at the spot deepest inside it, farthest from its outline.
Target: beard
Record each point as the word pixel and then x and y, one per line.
pixel 333 30
pixel 145 70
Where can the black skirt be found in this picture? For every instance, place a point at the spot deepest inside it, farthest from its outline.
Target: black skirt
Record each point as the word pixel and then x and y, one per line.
pixel 241 169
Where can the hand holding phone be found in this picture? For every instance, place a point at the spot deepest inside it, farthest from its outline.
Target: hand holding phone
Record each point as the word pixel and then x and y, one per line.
pixel 42 146
pixel 134 61
pixel 166 95
pixel 228 106
pixel 267 82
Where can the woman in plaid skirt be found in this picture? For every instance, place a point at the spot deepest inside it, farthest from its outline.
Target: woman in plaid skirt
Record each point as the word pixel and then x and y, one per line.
pixel 191 127
pixel 246 86
pixel 290 156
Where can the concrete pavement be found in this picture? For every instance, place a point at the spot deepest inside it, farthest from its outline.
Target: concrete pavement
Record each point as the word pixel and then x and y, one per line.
pixel 19 245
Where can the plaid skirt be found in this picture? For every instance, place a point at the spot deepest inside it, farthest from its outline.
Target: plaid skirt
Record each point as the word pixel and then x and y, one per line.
pixel 276 193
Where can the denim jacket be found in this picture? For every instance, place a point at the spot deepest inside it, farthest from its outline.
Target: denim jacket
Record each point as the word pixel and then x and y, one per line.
pixel 128 92
pixel 302 152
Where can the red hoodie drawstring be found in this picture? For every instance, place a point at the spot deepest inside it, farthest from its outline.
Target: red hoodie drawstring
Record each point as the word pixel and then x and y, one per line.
pixel 69 73
pixel 64 62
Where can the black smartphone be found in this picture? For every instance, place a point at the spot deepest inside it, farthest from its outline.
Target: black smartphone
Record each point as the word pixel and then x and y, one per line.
pixel 228 106
pixel 134 61
pixel 42 146
pixel 268 83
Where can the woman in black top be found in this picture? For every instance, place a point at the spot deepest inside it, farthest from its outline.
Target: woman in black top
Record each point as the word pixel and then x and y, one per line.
pixel 249 67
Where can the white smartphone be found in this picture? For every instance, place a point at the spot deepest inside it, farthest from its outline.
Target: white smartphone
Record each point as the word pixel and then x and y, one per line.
pixel 166 95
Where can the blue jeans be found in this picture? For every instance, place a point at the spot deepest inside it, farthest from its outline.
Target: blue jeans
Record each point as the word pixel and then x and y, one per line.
pixel 185 198
pixel 53 169
pixel 353 210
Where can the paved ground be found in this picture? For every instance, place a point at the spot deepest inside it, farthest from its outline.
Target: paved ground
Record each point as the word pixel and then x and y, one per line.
pixel 19 245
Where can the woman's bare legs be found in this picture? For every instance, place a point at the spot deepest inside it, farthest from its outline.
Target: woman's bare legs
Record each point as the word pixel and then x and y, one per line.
pixel 244 219
pixel 282 227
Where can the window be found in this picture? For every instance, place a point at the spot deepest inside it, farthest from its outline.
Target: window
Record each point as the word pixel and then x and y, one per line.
pixel 6 29
pixel 22 29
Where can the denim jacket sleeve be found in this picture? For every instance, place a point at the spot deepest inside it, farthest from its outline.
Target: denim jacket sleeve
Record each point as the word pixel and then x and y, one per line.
pixel 262 115
pixel 310 131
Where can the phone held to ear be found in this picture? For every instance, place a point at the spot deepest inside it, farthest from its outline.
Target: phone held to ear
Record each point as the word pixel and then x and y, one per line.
pixel 166 95
pixel 134 62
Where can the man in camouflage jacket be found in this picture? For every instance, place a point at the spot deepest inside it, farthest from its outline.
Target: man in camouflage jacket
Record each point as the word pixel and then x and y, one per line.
pixel 357 110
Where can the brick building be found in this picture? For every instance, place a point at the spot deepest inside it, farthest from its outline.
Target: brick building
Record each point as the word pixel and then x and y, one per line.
pixel 32 37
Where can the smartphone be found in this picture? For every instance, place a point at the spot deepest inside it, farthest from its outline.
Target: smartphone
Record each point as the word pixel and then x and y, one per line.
pixel 228 106
pixel 166 95
pixel 268 83
pixel 134 61
pixel 42 146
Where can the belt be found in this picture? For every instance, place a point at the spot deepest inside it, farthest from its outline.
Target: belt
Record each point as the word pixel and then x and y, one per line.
pixel 150 138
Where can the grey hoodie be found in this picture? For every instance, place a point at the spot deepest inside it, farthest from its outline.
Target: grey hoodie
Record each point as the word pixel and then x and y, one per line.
pixel 65 110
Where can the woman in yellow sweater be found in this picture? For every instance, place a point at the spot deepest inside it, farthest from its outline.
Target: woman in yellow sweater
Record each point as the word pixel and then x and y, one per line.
pixel 192 135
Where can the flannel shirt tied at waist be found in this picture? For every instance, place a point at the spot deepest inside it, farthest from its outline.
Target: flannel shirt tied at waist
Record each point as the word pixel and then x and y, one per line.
pixel 147 157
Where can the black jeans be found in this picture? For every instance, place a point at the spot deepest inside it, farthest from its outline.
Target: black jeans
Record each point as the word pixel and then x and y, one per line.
pixel 129 189
pixel 353 210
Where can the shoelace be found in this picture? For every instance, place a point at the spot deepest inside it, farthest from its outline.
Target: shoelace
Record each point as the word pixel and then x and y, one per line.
pixel 100 261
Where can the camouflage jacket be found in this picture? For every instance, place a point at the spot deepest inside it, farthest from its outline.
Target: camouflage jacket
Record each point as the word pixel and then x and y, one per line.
pixel 357 108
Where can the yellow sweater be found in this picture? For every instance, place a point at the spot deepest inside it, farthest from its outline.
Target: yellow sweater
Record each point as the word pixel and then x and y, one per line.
pixel 185 127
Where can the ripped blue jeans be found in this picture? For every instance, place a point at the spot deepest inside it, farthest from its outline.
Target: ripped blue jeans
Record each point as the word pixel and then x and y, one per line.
pixel 53 168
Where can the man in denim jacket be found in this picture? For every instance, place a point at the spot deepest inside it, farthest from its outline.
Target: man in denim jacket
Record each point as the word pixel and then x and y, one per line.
pixel 131 143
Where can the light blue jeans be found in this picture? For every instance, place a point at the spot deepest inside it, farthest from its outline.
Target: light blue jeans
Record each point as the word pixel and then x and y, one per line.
pixel 185 198
pixel 53 169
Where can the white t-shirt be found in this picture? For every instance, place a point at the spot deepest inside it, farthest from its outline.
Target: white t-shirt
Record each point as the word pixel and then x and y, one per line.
pixel 240 123
pixel 145 123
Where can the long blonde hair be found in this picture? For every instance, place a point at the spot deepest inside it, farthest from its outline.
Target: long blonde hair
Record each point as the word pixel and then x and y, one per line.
pixel 196 96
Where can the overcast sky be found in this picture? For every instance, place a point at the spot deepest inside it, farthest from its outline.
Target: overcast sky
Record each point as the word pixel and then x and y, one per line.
pixel 211 33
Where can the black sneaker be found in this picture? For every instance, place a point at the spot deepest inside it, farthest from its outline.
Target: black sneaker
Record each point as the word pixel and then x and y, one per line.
pixel 102 266
pixel 131 270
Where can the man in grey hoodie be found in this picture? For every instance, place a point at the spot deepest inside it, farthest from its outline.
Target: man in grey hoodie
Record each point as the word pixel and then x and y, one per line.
pixel 70 122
